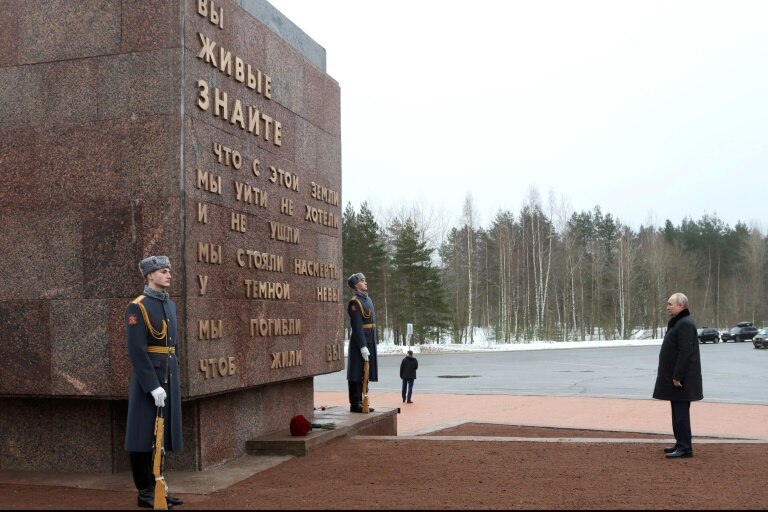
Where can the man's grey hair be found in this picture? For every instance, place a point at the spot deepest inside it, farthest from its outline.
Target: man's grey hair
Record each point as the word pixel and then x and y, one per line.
pixel 680 299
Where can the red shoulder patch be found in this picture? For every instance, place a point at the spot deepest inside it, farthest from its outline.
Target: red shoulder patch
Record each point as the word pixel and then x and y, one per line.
pixel 354 308
pixel 133 319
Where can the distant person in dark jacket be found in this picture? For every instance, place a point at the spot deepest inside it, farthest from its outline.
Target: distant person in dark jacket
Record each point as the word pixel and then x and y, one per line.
pixel 679 375
pixel 408 368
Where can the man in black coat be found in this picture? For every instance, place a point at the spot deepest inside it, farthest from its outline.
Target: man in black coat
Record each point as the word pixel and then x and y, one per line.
pixel 151 326
pixel 408 367
pixel 362 341
pixel 679 375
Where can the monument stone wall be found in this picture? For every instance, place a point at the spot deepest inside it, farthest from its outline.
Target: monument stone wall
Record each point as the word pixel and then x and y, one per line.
pixel 180 127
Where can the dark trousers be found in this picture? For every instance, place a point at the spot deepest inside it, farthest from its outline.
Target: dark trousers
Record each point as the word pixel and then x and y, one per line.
pixel 681 425
pixel 355 394
pixel 407 387
pixel 141 466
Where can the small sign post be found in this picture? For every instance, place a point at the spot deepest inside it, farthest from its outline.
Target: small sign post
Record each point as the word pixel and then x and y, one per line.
pixel 409 333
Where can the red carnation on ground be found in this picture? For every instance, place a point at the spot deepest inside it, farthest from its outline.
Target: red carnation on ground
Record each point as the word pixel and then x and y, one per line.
pixel 300 426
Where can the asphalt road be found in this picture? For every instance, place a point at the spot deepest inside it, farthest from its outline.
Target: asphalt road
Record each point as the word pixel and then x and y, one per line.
pixel 732 373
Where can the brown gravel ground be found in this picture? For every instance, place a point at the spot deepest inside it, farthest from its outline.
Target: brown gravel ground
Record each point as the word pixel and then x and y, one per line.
pixel 387 473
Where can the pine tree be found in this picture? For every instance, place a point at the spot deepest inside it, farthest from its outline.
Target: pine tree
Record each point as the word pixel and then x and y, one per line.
pixel 416 291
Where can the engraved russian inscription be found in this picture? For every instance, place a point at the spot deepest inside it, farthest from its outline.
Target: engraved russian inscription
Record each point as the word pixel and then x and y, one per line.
pixel 244 73
pixel 246 193
pixel 325 294
pixel 208 182
pixel 202 213
pixel 333 352
pixel 286 359
pixel 242 138
pixel 207 9
pixel 209 253
pixel 323 194
pixel 286 206
pixel 267 290
pixel 227 156
pixel 315 269
pixel 265 327
pixel 285 178
pixel 221 367
pixel 322 217
pixel 283 232
pixel 210 329
pixel 251 120
pixel 259 260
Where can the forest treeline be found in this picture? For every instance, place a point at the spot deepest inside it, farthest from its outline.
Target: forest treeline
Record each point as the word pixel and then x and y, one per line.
pixel 535 275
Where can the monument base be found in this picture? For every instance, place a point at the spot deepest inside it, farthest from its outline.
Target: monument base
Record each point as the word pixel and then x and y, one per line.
pixel 87 435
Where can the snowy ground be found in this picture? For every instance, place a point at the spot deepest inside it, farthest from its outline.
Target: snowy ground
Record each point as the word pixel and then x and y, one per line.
pixel 390 348
pixel 482 344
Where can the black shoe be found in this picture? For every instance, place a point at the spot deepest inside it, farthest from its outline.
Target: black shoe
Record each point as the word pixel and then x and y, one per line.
pixel 410 401
pixel 173 500
pixel 145 503
pixel 680 454
pixel 360 409
pixel 670 449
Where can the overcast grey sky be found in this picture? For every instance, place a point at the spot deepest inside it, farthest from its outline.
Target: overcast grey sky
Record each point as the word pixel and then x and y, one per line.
pixel 652 110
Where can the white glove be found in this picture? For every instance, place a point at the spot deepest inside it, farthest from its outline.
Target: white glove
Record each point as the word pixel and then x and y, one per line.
pixel 159 396
pixel 365 353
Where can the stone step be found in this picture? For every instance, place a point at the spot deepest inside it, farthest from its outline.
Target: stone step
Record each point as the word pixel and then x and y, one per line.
pixel 381 422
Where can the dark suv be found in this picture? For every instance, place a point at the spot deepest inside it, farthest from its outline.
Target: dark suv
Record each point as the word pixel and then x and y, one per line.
pixel 708 334
pixel 742 332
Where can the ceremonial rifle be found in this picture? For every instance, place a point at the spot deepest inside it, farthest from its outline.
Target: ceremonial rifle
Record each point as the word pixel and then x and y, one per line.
pixel 158 459
pixel 158 456
pixel 365 386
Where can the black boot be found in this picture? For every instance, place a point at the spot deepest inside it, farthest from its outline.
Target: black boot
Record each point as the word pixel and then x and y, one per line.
pixel 355 396
pixel 146 498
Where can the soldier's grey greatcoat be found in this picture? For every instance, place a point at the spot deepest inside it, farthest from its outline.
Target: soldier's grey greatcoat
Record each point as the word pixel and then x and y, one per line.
pixel 149 371
pixel 362 318
pixel 679 359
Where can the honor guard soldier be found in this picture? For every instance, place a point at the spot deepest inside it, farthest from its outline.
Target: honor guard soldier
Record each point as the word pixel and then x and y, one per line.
pixel 362 341
pixel 151 332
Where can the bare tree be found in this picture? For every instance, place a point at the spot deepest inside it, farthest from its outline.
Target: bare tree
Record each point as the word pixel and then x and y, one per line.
pixel 754 263
pixel 470 216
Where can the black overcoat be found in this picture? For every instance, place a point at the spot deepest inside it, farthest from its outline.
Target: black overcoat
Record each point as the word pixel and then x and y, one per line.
pixel 362 319
pixel 679 359
pixel 408 367
pixel 148 372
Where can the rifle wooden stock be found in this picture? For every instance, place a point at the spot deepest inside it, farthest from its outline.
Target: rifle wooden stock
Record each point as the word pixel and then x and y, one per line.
pixel 161 488
pixel 365 386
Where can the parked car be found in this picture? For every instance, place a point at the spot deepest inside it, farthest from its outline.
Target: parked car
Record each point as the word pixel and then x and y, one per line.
pixel 761 339
pixel 708 334
pixel 742 332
